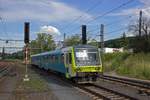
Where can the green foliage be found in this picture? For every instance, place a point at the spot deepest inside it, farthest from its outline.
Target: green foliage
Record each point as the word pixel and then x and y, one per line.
pixel 93 42
pixel 73 40
pixel 35 84
pixel 126 42
pixel 133 65
pixel 142 44
pixel 142 40
pixel 44 42
pixel 14 56
pixel 113 60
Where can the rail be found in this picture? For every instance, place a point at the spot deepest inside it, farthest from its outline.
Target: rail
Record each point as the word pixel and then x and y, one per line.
pixel 142 85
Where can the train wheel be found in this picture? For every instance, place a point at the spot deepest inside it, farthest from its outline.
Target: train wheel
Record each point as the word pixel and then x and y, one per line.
pixel 94 79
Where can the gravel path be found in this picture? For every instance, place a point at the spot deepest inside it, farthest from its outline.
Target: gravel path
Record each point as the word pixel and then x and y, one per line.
pixel 10 88
pixel 8 82
pixel 63 90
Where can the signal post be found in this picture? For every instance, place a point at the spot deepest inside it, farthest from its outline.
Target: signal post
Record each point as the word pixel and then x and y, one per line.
pixel 26 49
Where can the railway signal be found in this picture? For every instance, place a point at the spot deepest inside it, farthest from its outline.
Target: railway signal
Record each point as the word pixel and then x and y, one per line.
pixel 26 32
pixel 26 41
pixel 84 40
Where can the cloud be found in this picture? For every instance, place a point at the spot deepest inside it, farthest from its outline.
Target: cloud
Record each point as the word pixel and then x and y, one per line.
pixel 39 10
pixel 50 30
pixel 135 11
pixel 126 12
pixel 145 2
pixel 128 34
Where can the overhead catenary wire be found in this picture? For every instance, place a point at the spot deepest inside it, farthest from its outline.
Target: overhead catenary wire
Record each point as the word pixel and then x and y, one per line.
pixel 111 23
pixel 110 11
pixel 106 13
pixel 113 31
pixel 88 10
pixel 118 21
pixel 117 30
pixel 4 26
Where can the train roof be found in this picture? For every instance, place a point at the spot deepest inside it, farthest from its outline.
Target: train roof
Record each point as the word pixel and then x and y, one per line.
pixel 49 52
pixel 60 51
pixel 84 46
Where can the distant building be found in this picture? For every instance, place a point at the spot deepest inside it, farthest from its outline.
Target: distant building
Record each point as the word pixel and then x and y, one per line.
pixel 112 50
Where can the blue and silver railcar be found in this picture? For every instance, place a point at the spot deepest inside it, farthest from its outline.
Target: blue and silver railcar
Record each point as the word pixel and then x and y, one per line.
pixel 80 63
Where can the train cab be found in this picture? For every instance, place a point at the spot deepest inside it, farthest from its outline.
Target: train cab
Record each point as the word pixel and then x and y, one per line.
pixel 83 63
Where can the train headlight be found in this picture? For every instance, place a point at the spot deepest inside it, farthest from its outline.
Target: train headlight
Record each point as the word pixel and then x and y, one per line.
pixel 78 69
pixel 97 68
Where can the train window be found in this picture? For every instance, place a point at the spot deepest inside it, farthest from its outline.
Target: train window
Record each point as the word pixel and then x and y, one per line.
pixel 53 59
pixel 50 59
pixel 56 59
pixel 70 60
pixel 66 58
pixel 47 58
pixel 44 58
pixel 62 58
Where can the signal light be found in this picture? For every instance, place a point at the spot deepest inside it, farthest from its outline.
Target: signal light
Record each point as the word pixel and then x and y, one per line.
pixel 26 32
pixel 84 40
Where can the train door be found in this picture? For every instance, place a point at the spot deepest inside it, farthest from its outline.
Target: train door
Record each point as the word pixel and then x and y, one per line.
pixel 69 63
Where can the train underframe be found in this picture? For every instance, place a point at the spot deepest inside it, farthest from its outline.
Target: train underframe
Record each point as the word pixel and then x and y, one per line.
pixel 86 77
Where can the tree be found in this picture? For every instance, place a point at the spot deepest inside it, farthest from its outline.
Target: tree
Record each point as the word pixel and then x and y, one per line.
pixel 73 40
pixel 124 41
pixel 141 43
pixel 43 42
pixel 93 42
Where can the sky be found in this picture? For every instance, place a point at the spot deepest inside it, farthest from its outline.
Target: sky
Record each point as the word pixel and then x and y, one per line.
pixel 57 17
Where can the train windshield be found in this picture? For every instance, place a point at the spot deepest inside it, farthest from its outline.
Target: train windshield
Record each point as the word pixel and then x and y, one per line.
pixel 86 57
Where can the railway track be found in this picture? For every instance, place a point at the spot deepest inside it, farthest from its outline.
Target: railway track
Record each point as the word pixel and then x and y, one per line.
pixel 142 86
pixel 102 93
pixel 96 91
pixel 3 72
pixel 4 69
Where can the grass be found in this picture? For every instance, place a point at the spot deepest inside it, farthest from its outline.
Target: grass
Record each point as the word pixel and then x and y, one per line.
pixel 132 65
pixel 35 84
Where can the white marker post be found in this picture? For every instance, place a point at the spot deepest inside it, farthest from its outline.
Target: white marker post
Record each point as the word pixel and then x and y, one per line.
pixel 26 78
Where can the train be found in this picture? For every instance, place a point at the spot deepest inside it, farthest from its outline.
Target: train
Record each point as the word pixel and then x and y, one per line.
pixel 80 63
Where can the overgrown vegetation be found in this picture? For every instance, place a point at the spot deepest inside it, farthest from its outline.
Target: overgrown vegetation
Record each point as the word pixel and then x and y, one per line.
pixel 43 42
pixel 142 40
pixel 36 83
pixel 132 65
pixel 73 40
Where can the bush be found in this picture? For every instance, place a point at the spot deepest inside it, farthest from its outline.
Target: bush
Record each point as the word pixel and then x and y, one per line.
pixel 133 65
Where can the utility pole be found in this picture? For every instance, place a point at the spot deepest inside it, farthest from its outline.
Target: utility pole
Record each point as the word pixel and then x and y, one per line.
pixel 102 38
pixel 3 53
pixel 64 40
pixel 140 23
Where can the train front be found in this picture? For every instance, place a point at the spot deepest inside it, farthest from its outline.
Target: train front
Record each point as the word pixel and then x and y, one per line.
pixel 88 64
